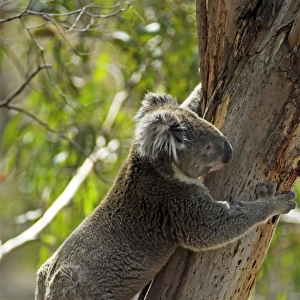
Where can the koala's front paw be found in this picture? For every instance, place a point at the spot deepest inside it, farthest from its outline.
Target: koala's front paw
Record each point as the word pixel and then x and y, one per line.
pixel 282 203
pixel 264 190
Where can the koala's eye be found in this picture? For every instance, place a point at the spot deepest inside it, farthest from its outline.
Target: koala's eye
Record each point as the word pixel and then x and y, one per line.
pixel 209 147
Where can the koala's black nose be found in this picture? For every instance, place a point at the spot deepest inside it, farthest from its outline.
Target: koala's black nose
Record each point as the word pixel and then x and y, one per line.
pixel 227 152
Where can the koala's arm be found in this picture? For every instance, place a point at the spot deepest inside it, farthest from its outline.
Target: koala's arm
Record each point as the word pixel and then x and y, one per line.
pixel 214 224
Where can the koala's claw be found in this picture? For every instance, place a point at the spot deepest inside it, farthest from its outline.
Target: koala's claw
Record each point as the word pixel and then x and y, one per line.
pixel 287 196
pixel 285 200
pixel 292 205
pixel 272 189
pixel 264 190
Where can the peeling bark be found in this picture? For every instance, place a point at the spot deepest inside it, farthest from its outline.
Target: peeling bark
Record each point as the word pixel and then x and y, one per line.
pixel 250 73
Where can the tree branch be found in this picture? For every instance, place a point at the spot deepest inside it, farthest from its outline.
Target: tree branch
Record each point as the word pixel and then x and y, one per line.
pixel 292 217
pixel 64 199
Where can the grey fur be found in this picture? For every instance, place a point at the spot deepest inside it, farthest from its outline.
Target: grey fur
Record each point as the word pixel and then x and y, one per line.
pixel 156 204
pixel 154 101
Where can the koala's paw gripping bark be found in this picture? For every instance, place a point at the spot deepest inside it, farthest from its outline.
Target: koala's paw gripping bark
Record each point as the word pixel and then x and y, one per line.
pixel 282 202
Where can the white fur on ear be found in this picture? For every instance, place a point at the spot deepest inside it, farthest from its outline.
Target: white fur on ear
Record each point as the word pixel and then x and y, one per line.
pixel 160 131
pixel 152 101
pixel 193 102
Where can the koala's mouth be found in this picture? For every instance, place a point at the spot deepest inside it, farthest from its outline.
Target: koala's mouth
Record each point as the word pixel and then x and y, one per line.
pixel 217 166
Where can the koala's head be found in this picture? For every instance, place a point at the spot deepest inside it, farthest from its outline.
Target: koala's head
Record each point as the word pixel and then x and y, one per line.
pixel 168 131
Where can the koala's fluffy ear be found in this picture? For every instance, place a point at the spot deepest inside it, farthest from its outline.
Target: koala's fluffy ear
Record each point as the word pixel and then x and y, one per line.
pixel 152 101
pixel 193 102
pixel 160 131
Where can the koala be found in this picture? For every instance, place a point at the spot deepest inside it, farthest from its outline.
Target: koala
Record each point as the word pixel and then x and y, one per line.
pixel 156 204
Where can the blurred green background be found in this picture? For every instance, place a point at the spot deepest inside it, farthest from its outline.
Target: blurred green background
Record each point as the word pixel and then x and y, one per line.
pixel 151 45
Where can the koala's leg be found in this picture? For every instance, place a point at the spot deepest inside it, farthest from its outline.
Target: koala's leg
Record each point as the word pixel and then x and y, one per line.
pixel 215 224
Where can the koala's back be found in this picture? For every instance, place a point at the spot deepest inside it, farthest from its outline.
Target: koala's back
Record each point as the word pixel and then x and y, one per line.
pixel 121 245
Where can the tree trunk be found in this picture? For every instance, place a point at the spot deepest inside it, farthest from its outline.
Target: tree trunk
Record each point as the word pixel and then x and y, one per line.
pixel 250 64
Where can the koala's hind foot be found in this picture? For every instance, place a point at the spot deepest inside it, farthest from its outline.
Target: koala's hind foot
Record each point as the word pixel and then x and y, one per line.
pixel 282 202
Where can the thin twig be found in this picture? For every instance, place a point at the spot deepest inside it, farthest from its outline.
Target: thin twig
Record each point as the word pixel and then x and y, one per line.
pixel 79 12
pixel 77 18
pixel 31 35
pixel 64 38
pixel 40 25
pixel 109 15
pixel 24 13
pixel 85 29
pixel 3 2
pixel 25 83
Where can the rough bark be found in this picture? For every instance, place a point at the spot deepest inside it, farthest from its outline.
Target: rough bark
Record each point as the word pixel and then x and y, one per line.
pixel 250 73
